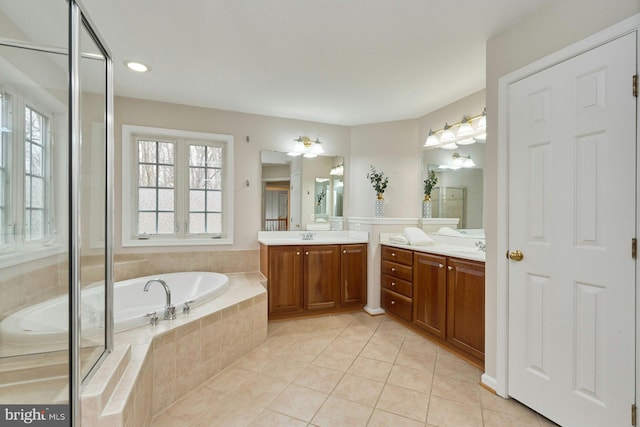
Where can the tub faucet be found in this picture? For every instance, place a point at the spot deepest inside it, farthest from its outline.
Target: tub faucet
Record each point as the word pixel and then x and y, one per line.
pixel 169 309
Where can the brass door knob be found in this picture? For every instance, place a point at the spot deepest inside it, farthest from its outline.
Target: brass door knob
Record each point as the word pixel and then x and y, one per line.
pixel 516 255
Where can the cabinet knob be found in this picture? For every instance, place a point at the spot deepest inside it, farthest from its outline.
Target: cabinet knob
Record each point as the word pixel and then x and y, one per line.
pixel 393 254
pixel 298 253
pixel 440 265
pixel 393 269
pixel 344 251
pixel 449 268
pixel 393 283
pixel 306 253
pixel 393 302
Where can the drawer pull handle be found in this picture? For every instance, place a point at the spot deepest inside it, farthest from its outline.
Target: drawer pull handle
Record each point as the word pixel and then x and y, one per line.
pixel 440 265
pixel 393 254
pixel 344 251
pixel 449 268
pixel 393 283
pixel 393 302
pixel 393 269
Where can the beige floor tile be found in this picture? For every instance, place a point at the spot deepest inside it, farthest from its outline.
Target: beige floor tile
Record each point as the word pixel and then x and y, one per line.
pixel 371 369
pixel 411 378
pixel 347 345
pixel 499 419
pixel 335 360
pixel 357 331
pixel 387 339
pixel 447 413
pixel 456 389
pixel 393 328
pixel 228 412
pixel 194 404
pixel 380 352
pixel 457 368
pixel 357 389
pixel 302 353
pixel 269 418
pixel 260 390
pixel 284 370
pixel 387 419
pixel 404 402
pixel 298 402
pixel 507 406
pixel 229 379
pixel 414 359
pixel 166 420
pixel 319 378
pixel 419 344
pixel 337 412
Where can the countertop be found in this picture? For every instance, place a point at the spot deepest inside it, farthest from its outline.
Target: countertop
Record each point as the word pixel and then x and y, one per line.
pixel 470 253
pixel 284 238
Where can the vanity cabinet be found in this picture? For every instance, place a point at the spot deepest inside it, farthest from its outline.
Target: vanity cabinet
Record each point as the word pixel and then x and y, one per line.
pixel 444 297
pixel 465 306
pixel 396 282
pixel 430 296
pixel 314 279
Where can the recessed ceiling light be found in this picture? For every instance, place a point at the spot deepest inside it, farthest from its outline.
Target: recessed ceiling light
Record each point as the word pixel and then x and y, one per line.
pixel 136 66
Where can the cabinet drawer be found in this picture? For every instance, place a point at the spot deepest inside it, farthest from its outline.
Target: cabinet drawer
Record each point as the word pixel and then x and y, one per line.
pixel 398 285
pixel 400 271
pixel 401 256
pixel 397 304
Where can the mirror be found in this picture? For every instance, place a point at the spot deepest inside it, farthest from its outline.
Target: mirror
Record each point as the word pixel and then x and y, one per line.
pixel 458 193
pixel 301 193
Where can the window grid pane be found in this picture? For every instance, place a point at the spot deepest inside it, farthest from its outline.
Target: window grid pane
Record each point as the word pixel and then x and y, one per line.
pixel 205 173
pixel 156 182
pixel 35 188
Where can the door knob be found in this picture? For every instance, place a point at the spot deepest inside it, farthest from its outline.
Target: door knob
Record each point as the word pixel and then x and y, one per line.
pixel 516 255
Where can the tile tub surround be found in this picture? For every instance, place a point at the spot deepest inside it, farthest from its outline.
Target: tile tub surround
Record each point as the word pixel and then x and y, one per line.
pixel 152 367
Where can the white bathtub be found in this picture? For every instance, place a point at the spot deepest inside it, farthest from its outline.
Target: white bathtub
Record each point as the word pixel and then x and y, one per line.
pixel 46 323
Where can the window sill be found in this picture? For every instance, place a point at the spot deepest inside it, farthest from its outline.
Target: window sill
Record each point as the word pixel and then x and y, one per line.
pixel 32 254
pixel 175 242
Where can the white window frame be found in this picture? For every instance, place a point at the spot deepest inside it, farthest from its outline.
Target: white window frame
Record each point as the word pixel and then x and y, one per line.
pixel 130 135
pixel 17 249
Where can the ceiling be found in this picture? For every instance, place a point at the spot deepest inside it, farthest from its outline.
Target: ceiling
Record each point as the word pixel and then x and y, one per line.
pixel 343 62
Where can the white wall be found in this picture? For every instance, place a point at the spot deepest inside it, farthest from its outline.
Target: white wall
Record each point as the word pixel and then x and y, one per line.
pixel 266 133
pixel 555 26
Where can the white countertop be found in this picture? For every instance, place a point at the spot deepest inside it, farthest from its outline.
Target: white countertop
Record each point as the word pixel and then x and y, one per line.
pixel 465 252
pixel 283 238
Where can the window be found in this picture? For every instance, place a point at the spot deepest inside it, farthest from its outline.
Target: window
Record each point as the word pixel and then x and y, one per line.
pixel 177 187
pixel 26 217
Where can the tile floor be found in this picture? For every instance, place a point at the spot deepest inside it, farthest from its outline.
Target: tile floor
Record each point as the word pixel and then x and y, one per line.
pixel 346 370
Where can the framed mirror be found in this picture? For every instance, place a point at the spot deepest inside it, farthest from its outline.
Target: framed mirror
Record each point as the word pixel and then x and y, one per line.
pixel 301 193
pixel 459 191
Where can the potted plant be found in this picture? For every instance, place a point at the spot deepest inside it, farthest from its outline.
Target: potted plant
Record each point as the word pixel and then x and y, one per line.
pixel 429 183
pixel 378 180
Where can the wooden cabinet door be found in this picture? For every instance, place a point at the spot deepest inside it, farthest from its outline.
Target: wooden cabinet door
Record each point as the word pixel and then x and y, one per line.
pixel 285 279
pixel 321 276
pixel 353 277
pixel 465 301
pixel 429 293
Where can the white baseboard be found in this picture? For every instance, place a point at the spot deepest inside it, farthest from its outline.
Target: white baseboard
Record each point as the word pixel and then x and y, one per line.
pixel 489 381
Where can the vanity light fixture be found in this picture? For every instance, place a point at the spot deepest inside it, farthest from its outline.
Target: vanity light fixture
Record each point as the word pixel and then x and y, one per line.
pixel 337 170
pixel 137 66
pixel 469 131
pixel 459 161
pixel 305 146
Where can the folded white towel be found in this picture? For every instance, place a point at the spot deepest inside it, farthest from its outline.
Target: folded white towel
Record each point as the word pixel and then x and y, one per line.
pixel 398 239
pixel 448 231
pixel 417 237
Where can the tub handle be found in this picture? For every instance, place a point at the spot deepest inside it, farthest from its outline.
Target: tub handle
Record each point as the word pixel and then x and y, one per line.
pixel 154 318
pixel 187 309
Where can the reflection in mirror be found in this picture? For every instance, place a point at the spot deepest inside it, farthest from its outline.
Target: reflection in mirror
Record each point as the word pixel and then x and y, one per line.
pixel 300 193
pixel 458 193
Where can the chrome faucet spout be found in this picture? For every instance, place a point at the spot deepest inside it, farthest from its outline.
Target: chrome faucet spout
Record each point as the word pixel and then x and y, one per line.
pixel 169 309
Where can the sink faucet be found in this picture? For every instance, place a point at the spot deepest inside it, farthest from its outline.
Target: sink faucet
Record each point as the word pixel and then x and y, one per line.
pixel 307 236
pixel 482 246
pixel 169 309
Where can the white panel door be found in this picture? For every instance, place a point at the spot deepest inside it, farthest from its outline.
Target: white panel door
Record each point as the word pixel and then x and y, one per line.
pixel 572 151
